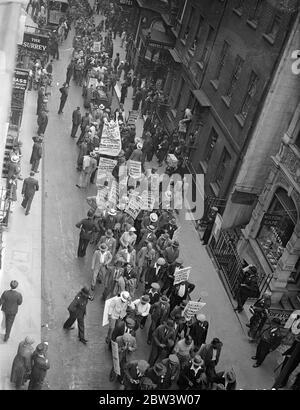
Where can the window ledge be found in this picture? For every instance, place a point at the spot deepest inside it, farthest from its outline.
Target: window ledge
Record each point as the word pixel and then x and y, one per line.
pixel 226 100
pixel 215 84
pixel 200 65
pixel 239 119
pixel 204 166
pixel 252 24
pixel 237 12
pixel 269 39
pixel 215 188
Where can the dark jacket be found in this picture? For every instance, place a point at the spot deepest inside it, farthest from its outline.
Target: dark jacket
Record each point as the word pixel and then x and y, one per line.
pixel 30 185
pixel 87 228
pixel 76 117
pixel 37 151
pixel 64 93
pixel 159 312
pixel 164 335
pixel 206 352
pixel 120 328
pixel 198 332
pixel 78 305
pixel 10 301
pixel 39 369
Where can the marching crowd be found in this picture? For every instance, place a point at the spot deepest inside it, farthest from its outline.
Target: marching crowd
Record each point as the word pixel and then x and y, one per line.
pixel 135 260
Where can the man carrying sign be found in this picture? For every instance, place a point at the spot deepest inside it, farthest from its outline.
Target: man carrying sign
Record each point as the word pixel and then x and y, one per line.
pixel 180 292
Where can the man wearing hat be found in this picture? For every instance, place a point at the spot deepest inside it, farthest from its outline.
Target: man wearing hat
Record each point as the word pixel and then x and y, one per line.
pixel 171 227
pixel 110 219
pixel 36 154
pixel 163 242
pixel 180 292
pixel 39 367
pixel 269 340
pixel 128 325
pixel 192 376
pixel 163 339
pixel 42 122
pixel 101 259
pixel 10 301
pixel 77 311
pixel 22 365
pixel 149 236
pixel 171 253
pixel 128 238
pixel 199 329
pixel 30 186
pixel 157 374
pixel 137 154
pixel 117 310
pixel 210 353
pixel 154 273
pixel 87 228
pixel 210 224
pixel 134 373
pixel 154 293
pixel 116 271
pixel 76 121
pixel 248 287
pixel 159 313
pixel 84 124
pixel 172 365
pixel 145 258
pixel 183 348
pixel 142 310
pixel 110 241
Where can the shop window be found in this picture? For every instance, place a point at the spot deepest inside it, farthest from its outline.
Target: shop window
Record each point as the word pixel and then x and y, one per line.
pixel 277 227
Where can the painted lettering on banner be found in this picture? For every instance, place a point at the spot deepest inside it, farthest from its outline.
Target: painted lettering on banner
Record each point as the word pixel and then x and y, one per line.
pixel 134 206
pixel 181 274
pixel 106 165
pixel 192 308
pixel 97 46
pixel 110 143
pixel 135 168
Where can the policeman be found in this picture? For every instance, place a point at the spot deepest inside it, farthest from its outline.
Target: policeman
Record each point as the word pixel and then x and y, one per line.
pixel 87 228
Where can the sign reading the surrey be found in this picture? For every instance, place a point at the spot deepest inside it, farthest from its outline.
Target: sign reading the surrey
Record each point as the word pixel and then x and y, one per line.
pixel 35 42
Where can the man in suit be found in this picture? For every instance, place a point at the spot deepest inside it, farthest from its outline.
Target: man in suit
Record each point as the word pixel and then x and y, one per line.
pixel 36 155
pixel 210 353
pixel 122 326
pixel 163 340
pixel 77 311
pixel 39 367
pixel 198 330
pixel 134 372
pixel 154 273
pixel 87 228
pixel 76 120
pixel 30 186
pixel 110 241
pixel 180 292
pixel 64 90
pixel 10 301
pixel 42 122
pixel 159 312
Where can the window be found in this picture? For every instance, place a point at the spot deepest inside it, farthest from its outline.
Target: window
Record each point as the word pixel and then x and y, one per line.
pixel 213 137
pixel 222 167
pixel 197 35
pixel 274 27
pixel 234 78
pixel 189 24
pixel 256 11
pixel 249 95
pixel 238 7
pixel 204 55
pixel 222 60
pixel 178 97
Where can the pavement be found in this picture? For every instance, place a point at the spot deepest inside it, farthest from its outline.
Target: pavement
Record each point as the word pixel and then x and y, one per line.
pixel 40 252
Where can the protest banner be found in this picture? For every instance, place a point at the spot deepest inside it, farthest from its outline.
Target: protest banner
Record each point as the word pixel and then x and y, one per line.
pixel 113 194
pixel 102 197
pixel 93 82
pixel 106 166
pixel 105 312
pixel 148 201
pixel 115 357
pixel 97 46
pixel 110 143
pixel 181 275
pixel 134 206
pixel 135 169
pixel 192 308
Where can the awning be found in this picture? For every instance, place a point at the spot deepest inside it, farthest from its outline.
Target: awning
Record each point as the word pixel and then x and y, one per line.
pixel 175 55
pixel 158 38
pixel 201 98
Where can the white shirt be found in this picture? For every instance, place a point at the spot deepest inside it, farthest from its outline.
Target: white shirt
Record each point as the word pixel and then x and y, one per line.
pixel 214 355
pixel 181 290
pixel 142 309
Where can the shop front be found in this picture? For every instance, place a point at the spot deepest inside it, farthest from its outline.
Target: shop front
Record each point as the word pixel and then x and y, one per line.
pixel 271 240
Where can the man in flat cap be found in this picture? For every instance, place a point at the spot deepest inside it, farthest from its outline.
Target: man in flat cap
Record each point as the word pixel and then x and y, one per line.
pixel 10 301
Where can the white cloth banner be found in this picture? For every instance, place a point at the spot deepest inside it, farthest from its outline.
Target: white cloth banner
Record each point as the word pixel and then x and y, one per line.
pixel 97 47
pixel 110 143
pixel 192 308
pixel 181 275
pixel 105 312
pixel 115 357
pixel 135 168
pixel 134 206
pixel 106 166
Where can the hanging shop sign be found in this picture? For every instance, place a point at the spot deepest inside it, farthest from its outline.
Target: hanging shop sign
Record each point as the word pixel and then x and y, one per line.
pixel 110 143
pixel 192 308
pixel 20 79
pixel 270 219
pixel 181 275
pixel 35 42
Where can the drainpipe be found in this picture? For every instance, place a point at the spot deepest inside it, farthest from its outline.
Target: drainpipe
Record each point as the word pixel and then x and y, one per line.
pixel 9 19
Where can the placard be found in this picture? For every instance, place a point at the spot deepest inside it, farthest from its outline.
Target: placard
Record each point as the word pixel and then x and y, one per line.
pixel 106 165
pixel 134 206
pixel 135 168
pixel 113 194
pixel 97 47
pixel 20 79
pixel 192 308
pixel 93 82
pixel 115 357
pixel 102 197
pixel 105 320
pixel 110 143
pixel 181 275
